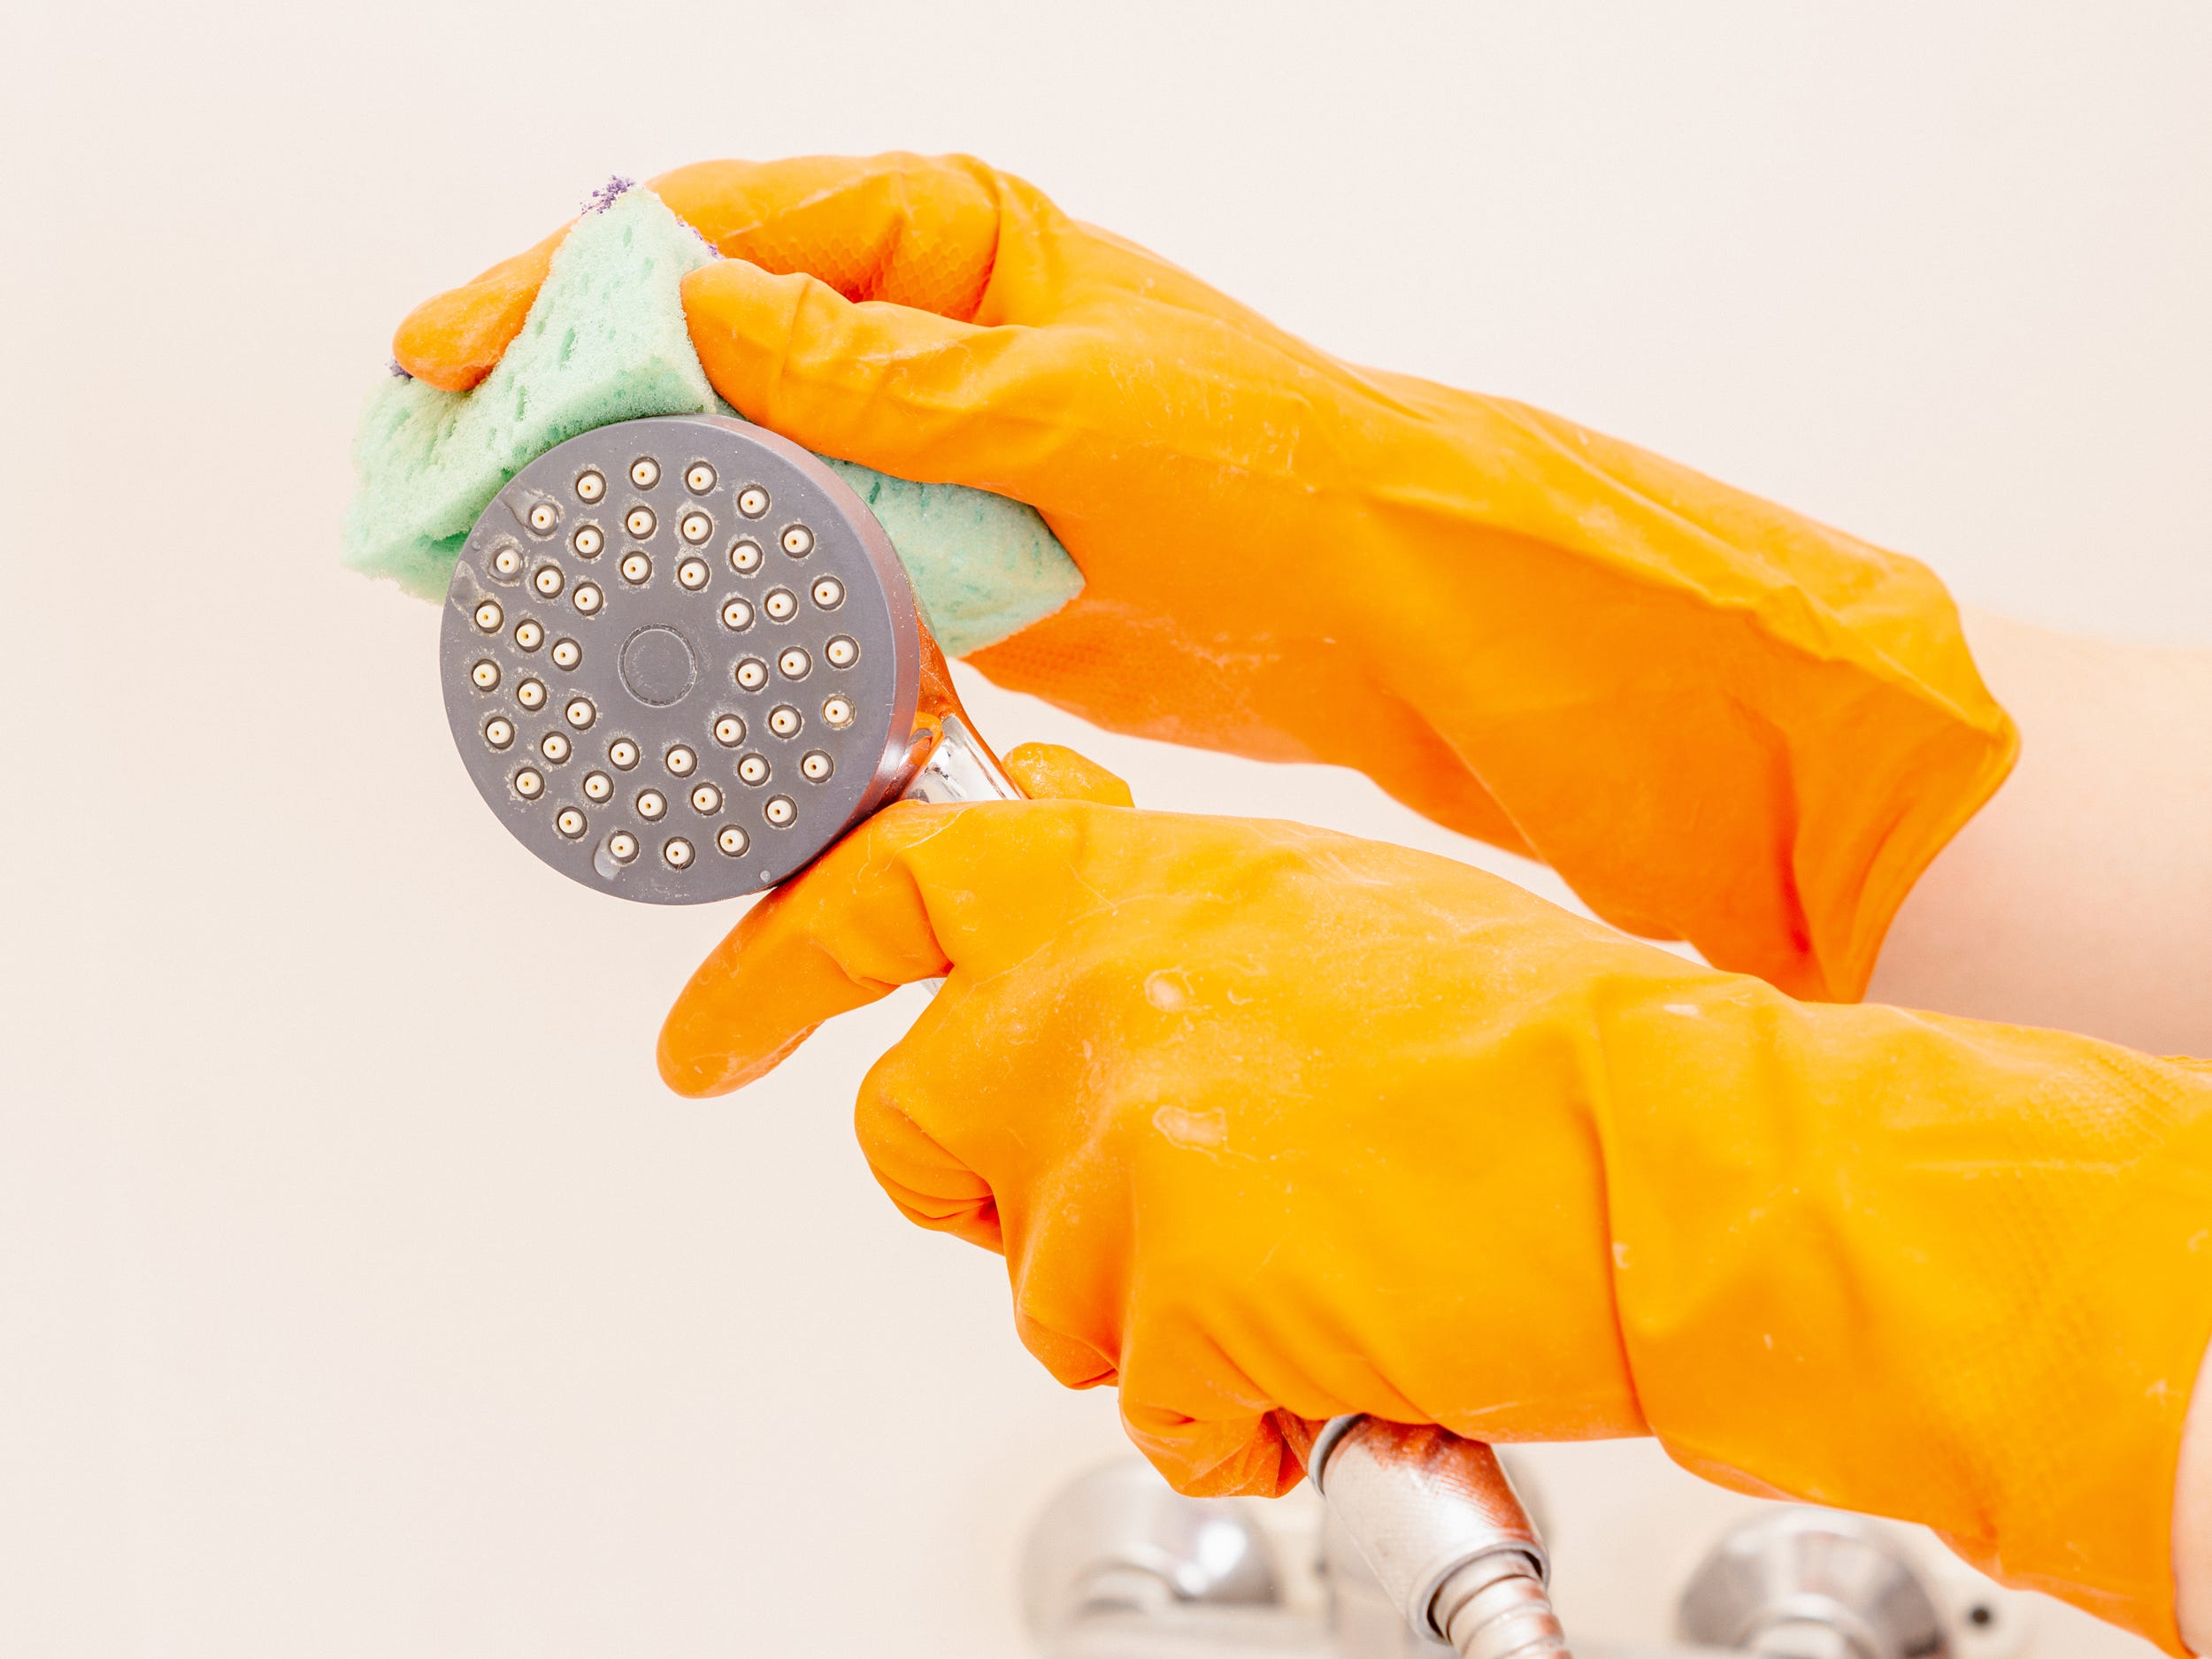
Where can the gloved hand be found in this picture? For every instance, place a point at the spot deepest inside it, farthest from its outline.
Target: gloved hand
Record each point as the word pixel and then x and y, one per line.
pixel 1715 719
pixel 1267 1120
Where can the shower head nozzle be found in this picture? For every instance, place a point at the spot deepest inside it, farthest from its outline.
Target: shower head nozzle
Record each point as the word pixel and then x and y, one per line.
pixel 681 659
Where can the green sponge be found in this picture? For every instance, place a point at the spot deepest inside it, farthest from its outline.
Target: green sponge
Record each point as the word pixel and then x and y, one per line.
pixel 606 341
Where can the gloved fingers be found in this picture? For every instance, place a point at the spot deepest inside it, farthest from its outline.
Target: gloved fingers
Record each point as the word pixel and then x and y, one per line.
pixel 1074 1362
pixel 1261 1455
pixel 932 1187
pixel 913 230
pixel 918 231
pixel 1069 1283
pixel 1064 1282
pixel 453 340
pixel 844 934
pixel 1047 771
pixel 902 390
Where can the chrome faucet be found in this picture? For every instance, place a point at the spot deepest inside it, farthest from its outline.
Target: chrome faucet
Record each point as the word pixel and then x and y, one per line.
pixel 1118 1566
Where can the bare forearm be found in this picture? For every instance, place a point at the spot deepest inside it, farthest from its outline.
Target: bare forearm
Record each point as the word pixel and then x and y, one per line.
pixel 2081 897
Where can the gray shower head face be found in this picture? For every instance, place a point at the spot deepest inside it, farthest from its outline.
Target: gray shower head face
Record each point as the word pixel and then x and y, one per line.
pixel 680 659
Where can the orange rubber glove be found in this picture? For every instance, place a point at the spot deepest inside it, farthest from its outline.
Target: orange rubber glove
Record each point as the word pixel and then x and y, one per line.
pixel 1715 719
pixel 1268 1120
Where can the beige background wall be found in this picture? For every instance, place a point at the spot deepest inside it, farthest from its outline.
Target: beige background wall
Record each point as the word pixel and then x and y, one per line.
pixel 360 1292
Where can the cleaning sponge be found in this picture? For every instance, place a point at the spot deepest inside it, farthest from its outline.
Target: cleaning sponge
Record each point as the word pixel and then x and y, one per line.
pixel 606 340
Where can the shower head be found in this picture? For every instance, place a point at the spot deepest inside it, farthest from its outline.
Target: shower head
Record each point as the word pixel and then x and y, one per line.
pixel 681 659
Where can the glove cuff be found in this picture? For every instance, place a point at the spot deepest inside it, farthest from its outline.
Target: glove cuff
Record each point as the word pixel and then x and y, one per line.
pixel 1951 1272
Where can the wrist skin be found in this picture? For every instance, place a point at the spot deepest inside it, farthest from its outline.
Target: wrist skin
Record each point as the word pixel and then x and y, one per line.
pixel 2193 1523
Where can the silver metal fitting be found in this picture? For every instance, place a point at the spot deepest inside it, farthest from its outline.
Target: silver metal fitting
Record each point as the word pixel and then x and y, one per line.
pixel 1802 1583
pixel 1440 1526
pixel 959 768
pixel 1118 1540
